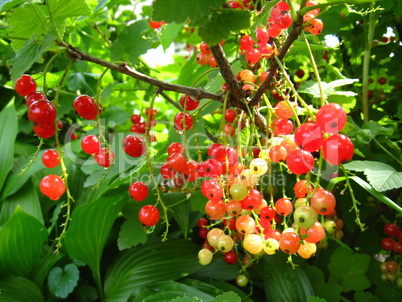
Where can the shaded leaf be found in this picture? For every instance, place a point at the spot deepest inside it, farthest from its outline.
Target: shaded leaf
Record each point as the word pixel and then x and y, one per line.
pixel 63 281
pixel 21 240
pixel 42 268
pixel 330 291
pixel 134 269
pixel 228 296
pixel 18 289
pixel 89 228
pixel 169 34
pixel 219 24
pixel 361 296
pixel 181 211
pixel 8 133
pixel 131 232
pixel 179 10
pixel 349 269
pixel 381 176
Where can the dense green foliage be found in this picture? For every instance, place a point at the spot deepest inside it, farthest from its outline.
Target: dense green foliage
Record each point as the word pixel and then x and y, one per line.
pixel 89 245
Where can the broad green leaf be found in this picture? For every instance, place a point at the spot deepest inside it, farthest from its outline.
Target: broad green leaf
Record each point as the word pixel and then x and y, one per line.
pixel 131 232
pixel 169 34
pixel 5 5
pixel 30 53
pixel 131 42
pixel 153 262
pixel 346 99
pixel 89 228
pixel 63 281
pixel 186 299
pixel 349 269
pixel 179 10
pixel 330 291
pixel 282 282
pixel 361 296
pixel 381 176
pixel 316 299
pixel 26 21
pixel 18 289
pixel 218 25
pixel 181 210
pixel 215 287
pixel 21 240
pixel 228 296
pixel 312 87
pixel 63 9
pixel 41 270
pixel 27 199
pixel 8 133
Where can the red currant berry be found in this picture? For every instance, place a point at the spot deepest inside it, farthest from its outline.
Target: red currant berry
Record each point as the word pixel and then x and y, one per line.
pixel 278 153
pixel 323 201
pixel 337 149
pixel 289 243
pixel 283 110
pixel 183 121
pixel 308 136
pixel 25 85
pixel 34 97
pixel 230 115
pixel 52 186
pixel 175 148
pixel 230 257
pixel 90 144
pixel 42 113
pixel 135 118
pixel 202 222
pixel 246 42
pixel 167 172
pixel 50 158
pixel 391 229
pixel 205 48
pixel 302 188
pixel 134 145
pixel 202 59
pixel 300 161
pixel 86 107
pixel 253 56
pixel 104 157
pixel 331 118
pixel 262 34
pixel 215 209
pixel 398 248
pixel 316 233
pixel 282 127
pixel 382 81
pixel 211 190
pixel 388 244
pixel 284 206
pixel 190 171
pixel 252 201
pixel 188 102
pixel 150 114
pixel 44 131
pixel 217 151
pixel 138 191
pixel 149 215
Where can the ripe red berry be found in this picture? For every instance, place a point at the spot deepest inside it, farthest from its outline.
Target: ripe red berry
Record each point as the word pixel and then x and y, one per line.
pixel 33 97
pixel 188 102
pixel 289 243
pixel 391 229
pixel 202 58
pixel 52 186
pixel 86 107
pixel 262 34
pixel 253 56
pixel 104 157
pixel 50 158
pixel 337 149
pixel 25 85
pixel 398 248
pixel 382 81
pixel 135 118
pixel 215 209
pixel 90 144
pixel 211 190
pixel 246 42
pixel 175 148
pixel 182 121
pixel 42 113
pixel 308 136
pixel 284 206
pixel 149 215
pixel 282 126
pixel 388 244
pixel 230 115
pixel 331 118
pixel 133 145
pixel 44 131
pixel 322 201
pixel 205 48
pixel 252 201
pixel 138 190
pixel 230 257
pixel 300 161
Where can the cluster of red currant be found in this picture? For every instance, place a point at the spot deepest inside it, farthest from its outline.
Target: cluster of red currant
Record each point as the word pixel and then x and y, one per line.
pixel 390 272
pixel 141 127
pixel 389 243
pixel 245 4
pixel 183 120
pixel 205 56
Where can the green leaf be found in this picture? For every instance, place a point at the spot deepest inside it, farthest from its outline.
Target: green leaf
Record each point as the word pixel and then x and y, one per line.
pixel 282 282
pixel 316 299
pixel 18 289
pixel 89 228
pixel 27 199
pixel 179 10
pixel 41 270
pixel 219 24
pixel 30 53
pixel 346 99
pixel 169 34
pixel 312 87
pixel 215 84
pixel 155 261
pixel 228 296
pixel 381 197
pixel 63 9
pixel 330 291
pixel 361 296
pixel 181 211
pixel 8 133
pixel 131 232
pixel 381 176
pixel 21 240
pixel 131 42
pixel 62 282
pixel 6 5
pixel 349 269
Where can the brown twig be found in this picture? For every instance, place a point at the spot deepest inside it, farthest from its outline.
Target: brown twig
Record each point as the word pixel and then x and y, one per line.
pixel 169 99
pixel 268 83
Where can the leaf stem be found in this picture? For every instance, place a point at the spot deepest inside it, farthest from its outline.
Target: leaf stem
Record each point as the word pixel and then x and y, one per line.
pixel 35 156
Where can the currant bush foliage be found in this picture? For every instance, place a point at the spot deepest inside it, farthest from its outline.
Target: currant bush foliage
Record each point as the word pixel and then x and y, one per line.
pixel 116 171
